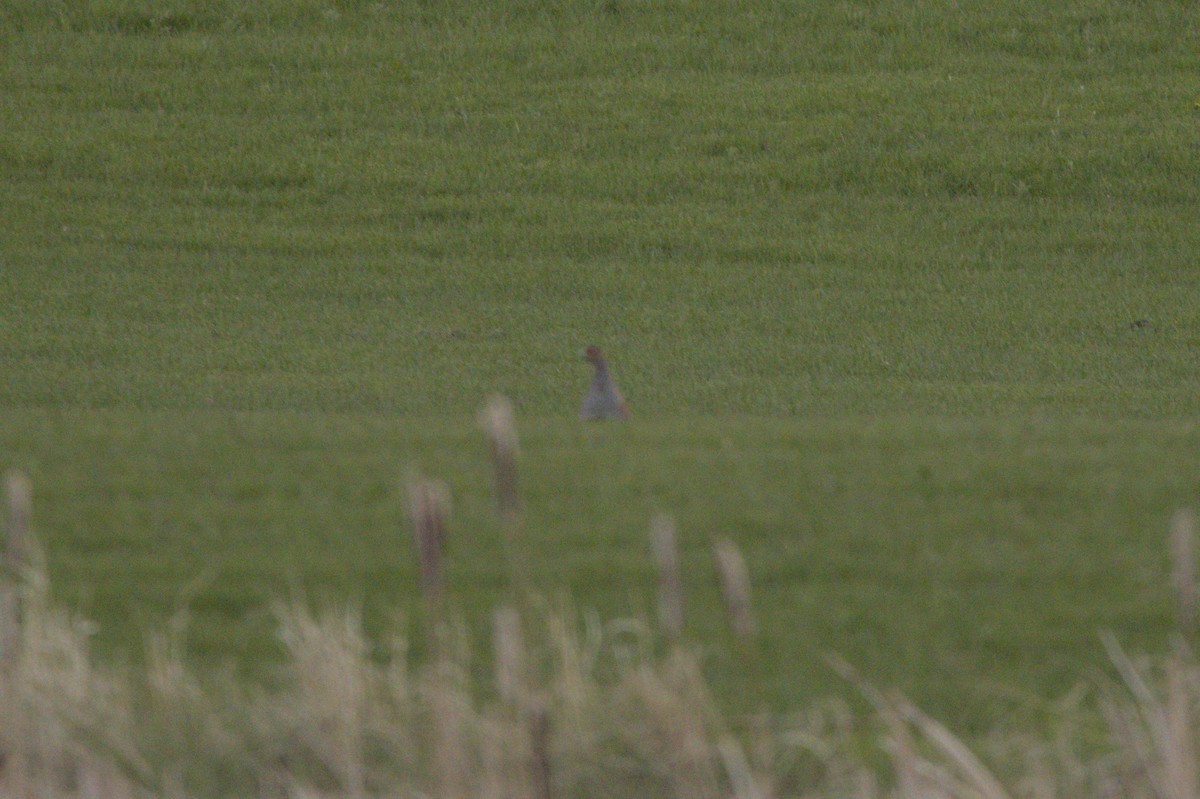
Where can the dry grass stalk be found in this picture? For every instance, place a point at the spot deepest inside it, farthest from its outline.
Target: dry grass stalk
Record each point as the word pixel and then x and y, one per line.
pixel 493 772
pixel 1179 754
pixel 498 422
pixel 429 507
pixel 678 711
pixel 900 748
pixel 342 725
pixel 735 587
pixel 333 681
pixel 19 499
pixel 508 653
pixel 19 504
pixel 763 749
pixel 1157 731
pixel 63 719
pixel 956 773
pixel 665 545
pixel 1183 571
pixel 913 778
pixel 968 769
pixel 737 767
pixel 98 779
pixel 451 714
pixel 537 720
pixel 573 658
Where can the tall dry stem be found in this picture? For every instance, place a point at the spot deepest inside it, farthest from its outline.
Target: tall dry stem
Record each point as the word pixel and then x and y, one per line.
pixel 333 682
pixel 429 507
pixel 537 719
pixel 1183 567
pixel 1157 729
pixel 19 508
pixel 451 716
pixel 499 424
pixel 735 587
pixel 943 767
pixel 665 545
pixel 967 769
pixel 19 499
pixel 741 776
pixel 508 653
pixel 1179 755
pixel 678 715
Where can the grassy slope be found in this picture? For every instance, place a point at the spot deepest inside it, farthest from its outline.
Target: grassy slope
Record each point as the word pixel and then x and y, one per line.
pixel 962 559
pixel 868 270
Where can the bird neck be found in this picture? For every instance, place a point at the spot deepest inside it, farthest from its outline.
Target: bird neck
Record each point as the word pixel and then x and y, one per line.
pixel 601 375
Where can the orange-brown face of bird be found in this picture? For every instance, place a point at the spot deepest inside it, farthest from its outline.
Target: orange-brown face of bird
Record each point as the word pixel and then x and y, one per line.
pixel 593 354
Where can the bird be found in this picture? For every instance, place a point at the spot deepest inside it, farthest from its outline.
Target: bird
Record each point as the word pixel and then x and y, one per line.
pixel 603 399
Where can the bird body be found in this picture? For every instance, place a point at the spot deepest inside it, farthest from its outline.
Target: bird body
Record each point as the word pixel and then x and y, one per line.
pixel 603 399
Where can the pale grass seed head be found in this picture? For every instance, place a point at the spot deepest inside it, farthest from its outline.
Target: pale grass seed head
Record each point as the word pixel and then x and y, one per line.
pixel 1183 567
pixel 664 544
pixel 332 682
pixel 499 424
pixel 429 509
pixel 735 587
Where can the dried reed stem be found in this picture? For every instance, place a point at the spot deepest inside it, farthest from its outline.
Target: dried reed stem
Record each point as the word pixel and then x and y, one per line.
pixel 429 507
pixel 498 423
pixel 1183 571
pixel 735 587
pixel 670 576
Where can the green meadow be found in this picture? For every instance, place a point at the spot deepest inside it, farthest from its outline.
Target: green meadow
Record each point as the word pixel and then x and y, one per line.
pixel 902 296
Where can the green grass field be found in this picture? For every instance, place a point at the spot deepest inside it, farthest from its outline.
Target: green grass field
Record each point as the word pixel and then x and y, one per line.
pixel 868 273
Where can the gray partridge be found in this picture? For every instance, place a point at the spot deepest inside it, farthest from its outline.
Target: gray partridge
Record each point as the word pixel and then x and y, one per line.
pixel 603 400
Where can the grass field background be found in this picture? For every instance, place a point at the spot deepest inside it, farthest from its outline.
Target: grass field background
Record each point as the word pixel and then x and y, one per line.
pixel 868 273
